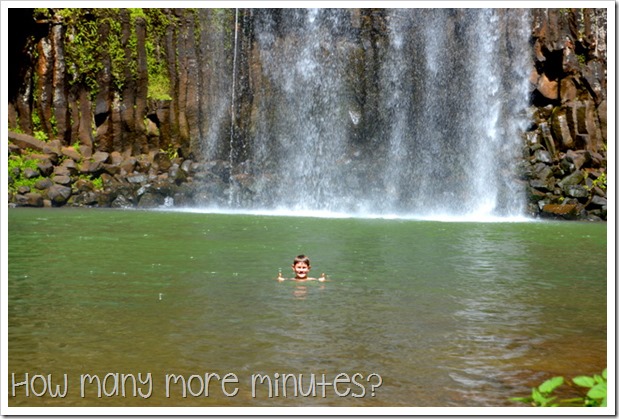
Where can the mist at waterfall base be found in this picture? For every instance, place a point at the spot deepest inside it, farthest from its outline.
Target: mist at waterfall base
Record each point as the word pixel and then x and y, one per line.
pixel 432 131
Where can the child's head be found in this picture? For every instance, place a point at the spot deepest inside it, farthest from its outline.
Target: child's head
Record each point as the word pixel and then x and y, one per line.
pixel 301 266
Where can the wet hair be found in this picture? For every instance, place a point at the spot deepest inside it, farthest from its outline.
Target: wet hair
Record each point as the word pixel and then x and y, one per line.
pixel 301 259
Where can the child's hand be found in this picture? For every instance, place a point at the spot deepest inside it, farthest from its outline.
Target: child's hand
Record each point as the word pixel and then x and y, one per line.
pixel 322 278
pixel 280 277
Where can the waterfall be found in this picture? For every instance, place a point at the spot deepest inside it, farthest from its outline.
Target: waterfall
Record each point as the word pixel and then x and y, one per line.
pixel 423 120
pixel 304 129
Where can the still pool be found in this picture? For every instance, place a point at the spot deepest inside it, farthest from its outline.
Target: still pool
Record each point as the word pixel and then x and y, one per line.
pixel 414 313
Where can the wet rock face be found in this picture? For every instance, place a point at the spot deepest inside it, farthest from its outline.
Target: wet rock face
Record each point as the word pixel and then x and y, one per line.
pixel 565 148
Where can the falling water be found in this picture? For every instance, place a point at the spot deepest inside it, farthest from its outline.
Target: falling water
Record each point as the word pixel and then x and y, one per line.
pixel 304 123
pixel 233 91
pixel 431 128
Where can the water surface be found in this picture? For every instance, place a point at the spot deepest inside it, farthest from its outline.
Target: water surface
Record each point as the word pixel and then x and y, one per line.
pixel 447 313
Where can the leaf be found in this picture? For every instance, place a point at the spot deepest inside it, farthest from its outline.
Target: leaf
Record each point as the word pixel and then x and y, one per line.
pixel 605 374
pixel 548 386
pixel 538 398
pixel 598 391
pixel 584 381
pixel 521 399
pixel 575 401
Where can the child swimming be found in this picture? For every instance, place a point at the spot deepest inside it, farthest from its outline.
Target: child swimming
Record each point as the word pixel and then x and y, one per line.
pixel 301 267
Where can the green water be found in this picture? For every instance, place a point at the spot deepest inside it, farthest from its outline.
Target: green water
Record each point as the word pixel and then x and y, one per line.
pixel 447 314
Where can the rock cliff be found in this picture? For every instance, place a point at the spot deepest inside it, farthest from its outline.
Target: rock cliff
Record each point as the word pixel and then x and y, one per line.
pixel 145 107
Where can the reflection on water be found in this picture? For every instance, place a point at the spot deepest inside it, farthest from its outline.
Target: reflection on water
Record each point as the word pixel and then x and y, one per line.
pixel 448 314
pixel 493 273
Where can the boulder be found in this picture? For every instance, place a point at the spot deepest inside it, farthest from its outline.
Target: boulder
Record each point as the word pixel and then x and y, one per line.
pixel 162 162
pixel 562 210
pixel 43 184
pixel 85 151
pixel 61 171
pixel 573 179
pixel 186 167
pixel 25 141
pixel 567 165
pixel 112 169
pixel 548 88
pixel 62 180
pixel 29 173
pixel 543 156
pixel 45 167
pixel 71 153
pixel 70 165
pixel 151 199
pixel 579 158
pixel 543 184
pixel 102 157
pixel 83 185
pixel 128 165
pixel 534 195
pixel 53 147
pixel 176 175
pixel 121 201
pixel 115 158
pixel 568 89
pixel 136 179
pixel 598 201
pixel 87 198
pixel 59 194
pixel 576 191
pixel 29 199
pixel 542 171
pixel 94 168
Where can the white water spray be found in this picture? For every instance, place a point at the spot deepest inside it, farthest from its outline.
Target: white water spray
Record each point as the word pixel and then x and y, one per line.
pixel 450 87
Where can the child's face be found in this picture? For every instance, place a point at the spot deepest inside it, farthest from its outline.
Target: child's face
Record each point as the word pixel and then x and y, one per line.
pixel 301 270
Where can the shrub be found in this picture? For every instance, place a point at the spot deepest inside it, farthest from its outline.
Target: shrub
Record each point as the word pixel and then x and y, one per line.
pixel 542 396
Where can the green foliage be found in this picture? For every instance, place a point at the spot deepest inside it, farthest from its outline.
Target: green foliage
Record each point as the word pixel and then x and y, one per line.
pixel 159 87
pixel 597 385
pixel 171 151
pixel 40 135
pixel 582 59
pixel 82 52
pixel 542 396
pixel 84 47
pixel 41 13
pixel 76 147
pixel 600 182
pixel 97 183
pixel 136 13
pixel 16 165
pixel 158 76
pixel 37 127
